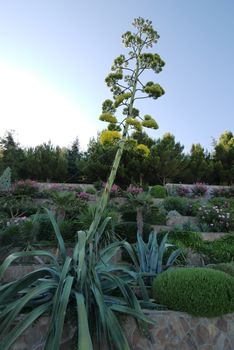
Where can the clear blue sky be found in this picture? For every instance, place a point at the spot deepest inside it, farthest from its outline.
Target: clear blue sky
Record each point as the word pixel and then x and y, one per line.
pixel 66 47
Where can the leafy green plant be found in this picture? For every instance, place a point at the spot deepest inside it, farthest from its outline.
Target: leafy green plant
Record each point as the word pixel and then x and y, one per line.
pixel 158 191
pixel 151 255
pixel 197 291
pixel 176 203
pixel 88 281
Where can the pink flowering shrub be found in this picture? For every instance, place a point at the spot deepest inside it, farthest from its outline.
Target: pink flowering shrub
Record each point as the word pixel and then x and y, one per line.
pixel 134 189
pixel 115 190
pixel 25 187
pixel 199 189
pixel 182 191
pixel 216 218
pixel 83 196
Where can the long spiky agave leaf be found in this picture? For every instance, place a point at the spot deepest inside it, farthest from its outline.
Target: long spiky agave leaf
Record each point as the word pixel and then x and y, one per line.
pixel 10 289
pixel 84 337
pixel 56 302
pixel 100 302
pixel 58 234
pixel 116 333
pixel 141 247
pixel 81 252
pixel 172 258
pixel 16 307
pixel 100 231
pixel 153 260
pixel 22 325
pixel 12 257
pixel 60 314
pixel 161 252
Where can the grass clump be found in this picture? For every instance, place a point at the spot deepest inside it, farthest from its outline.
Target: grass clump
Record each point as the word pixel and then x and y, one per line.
pixel 225 267
pixel 198 291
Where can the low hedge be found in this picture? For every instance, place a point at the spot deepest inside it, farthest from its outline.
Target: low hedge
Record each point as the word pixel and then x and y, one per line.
pixel 198 291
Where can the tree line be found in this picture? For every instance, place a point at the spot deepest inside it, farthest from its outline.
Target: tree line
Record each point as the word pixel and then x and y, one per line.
pixel 145 161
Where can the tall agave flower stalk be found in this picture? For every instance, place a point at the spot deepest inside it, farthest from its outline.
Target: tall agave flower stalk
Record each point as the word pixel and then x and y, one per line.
pixel 126 86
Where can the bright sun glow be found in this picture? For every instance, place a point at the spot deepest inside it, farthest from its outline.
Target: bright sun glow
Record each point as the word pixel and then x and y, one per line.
pixel 37 112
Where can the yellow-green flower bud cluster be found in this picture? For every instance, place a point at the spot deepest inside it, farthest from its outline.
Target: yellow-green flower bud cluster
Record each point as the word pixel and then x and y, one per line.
pixel 149 122
pixel 120 98
pixel 108 117
pixel 143 149
pixel 135 123
pixel 153 90
pixel 109 136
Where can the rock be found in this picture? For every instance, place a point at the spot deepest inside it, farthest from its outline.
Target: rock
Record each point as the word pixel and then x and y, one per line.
pixel 194 259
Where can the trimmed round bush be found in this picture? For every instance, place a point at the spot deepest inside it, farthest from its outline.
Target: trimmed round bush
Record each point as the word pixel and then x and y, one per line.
pixel 158 191
pixel 198 291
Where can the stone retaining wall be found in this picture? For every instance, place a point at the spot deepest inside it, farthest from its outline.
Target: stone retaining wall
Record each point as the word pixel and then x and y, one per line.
pixel 180 331
pixel 172 331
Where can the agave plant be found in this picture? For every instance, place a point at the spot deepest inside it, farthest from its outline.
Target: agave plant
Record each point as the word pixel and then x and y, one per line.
pixel 88 282
pixel 151 255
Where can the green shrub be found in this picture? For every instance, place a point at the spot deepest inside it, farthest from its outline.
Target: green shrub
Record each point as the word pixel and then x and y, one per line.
pixel 18 232
pixel 176 203
pixel 128 213
pixel 128 231
pixel 186 238
pixel 225 267
pixel 158 191
pixel 220 250
pixel 216 219
pixel 98 185
pixel 45 230
pixel 155 216
pixel 90 190
pixel 219 201
pixel 68 229
pixel 17 205
pixel 197 291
